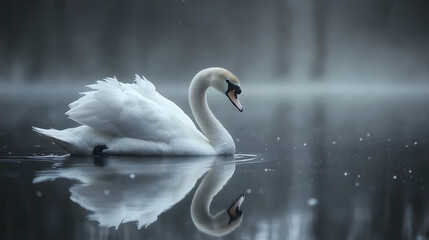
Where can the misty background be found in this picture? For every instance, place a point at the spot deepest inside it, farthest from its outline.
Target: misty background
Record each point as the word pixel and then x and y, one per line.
pixel 382 41
pixel 363 158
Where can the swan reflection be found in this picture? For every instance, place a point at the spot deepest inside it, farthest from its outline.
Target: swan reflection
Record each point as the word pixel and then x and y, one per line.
pixel 224 221
pixel 119 190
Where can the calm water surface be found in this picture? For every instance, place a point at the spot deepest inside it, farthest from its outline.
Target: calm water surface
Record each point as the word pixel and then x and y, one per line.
pixel 311 166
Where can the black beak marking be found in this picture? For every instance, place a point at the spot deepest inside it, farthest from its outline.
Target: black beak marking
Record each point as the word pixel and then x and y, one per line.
pixel 232 87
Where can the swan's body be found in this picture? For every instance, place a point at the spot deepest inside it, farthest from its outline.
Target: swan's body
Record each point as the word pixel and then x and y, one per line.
pixel 135 119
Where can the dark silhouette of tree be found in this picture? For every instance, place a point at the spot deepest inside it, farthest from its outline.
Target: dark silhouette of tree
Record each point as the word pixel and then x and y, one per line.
pixel 283 21
pixel 320 13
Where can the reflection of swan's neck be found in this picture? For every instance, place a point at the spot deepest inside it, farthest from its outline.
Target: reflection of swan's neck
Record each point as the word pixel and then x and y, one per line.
pixel 211 184
pixel 217 135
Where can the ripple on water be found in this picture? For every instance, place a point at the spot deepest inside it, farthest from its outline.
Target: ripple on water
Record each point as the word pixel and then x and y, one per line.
pixel 246 158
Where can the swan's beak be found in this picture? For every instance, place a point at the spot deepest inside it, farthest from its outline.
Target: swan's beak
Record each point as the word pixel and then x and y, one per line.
pixel 232 95
pixel 234 211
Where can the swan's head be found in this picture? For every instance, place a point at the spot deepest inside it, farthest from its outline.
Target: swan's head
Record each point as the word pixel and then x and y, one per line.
pixel 225 221
pixel 225 82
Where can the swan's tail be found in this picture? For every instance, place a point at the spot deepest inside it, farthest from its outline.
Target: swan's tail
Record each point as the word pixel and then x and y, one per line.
pixel 59 137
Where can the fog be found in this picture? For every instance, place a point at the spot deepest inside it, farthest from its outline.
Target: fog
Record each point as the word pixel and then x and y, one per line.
pixel 334 41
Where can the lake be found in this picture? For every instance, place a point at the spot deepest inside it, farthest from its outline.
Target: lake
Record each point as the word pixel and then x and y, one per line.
pixel 311 164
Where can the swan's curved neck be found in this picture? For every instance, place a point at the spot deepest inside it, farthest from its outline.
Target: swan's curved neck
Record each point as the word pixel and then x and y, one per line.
pixel 214 131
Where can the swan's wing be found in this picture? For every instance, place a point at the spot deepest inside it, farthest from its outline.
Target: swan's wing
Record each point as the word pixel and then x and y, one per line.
pixel 132 110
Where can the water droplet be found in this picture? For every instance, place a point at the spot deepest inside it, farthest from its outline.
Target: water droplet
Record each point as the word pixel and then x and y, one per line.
pixel 333 142
pixel 415 143
pixel 410 171
pixel 357 184
pixel 238 139
pixel 278 138
pixel 346 173
pixel 106 192
pixel 388 139
pixel 360 139
pixel 406 145
pixel 305 144
pixel 249 190
pixel 368 134
pixel 132 176
pixel 358 176
pixel 39 193
pixel 395 177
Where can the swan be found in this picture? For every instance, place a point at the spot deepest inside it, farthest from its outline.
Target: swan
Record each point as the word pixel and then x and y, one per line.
pixel 225 221
pixel 134 119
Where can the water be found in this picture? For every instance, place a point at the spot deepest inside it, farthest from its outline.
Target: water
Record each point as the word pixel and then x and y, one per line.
pixel 317 165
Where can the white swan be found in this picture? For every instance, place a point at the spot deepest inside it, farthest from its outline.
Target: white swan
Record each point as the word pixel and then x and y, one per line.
pixel 121 118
